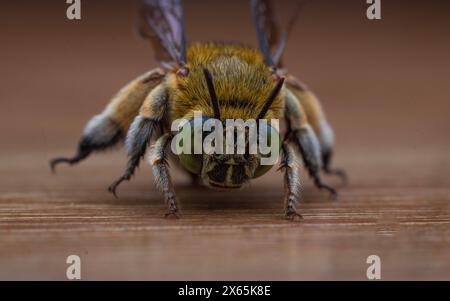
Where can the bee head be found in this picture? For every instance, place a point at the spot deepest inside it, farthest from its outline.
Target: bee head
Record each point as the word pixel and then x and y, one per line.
pixel 230 155
pixel 234 170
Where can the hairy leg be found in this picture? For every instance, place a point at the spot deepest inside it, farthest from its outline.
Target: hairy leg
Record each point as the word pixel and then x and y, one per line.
pixel 106 129
pixel 101 133
pixel 302 134
pixel 318 121
pixel 291 170
pixel 137 143
pixel 158 160
pixel 141 131
pixel 309 147
pixel 326 158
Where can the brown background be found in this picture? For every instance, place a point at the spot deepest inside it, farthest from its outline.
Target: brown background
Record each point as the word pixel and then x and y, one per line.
pixel 384 85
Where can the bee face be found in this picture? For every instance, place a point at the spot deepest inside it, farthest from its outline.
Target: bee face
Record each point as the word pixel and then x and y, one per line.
pixel 228 171
pixel 223 170
pixel 233 159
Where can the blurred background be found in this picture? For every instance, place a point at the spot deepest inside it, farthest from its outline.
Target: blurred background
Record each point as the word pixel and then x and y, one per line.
pixel 384 85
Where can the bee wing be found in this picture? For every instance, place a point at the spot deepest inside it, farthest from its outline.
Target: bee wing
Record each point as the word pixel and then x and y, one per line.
pixel 270 37
pixel 162 22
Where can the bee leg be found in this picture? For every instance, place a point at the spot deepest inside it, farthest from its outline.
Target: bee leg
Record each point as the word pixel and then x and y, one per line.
pixel 318 121
pixel 325 135
pixel 109 127
pixel 326 158
pixel 306 140
pixel 309 147
pixel 160 167
pixel 138 139
pixel 141 131
pixel 291 170
pixel 100 133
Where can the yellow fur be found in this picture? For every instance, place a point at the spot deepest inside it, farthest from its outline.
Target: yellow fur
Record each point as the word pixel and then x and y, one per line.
pixel 154 104
pixel 311 106
pixel 298 117
pixel 242 82
pixel 124 107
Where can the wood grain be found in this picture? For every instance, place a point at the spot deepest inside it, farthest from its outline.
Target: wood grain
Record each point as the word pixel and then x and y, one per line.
pixel 232 235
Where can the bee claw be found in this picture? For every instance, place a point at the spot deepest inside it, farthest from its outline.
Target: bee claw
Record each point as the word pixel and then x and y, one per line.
pixel 112 188
pixel 333 193
pixel 334 196
pixel 173 214
pixel 113 191
pixel 321 185
pixel 52 167
pixel 341 174
pixel 281 167
pixel 57 161
pixel 293 216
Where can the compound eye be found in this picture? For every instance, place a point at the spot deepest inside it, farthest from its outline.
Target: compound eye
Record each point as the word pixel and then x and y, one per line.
pixel 185 144
pixel 269 148
pixel 192 162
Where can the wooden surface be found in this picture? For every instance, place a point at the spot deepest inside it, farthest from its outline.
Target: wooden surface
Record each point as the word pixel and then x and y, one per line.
pixel 391 117
pixel 401 217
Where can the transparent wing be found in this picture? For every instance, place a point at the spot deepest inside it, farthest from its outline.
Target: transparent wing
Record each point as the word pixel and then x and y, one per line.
pixel 270 37
pixel 162 22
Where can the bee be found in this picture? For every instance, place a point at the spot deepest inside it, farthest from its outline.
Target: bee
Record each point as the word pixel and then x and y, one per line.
pixel 223 81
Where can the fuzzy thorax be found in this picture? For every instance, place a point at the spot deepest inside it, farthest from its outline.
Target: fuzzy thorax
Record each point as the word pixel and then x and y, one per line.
pixel 241 79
